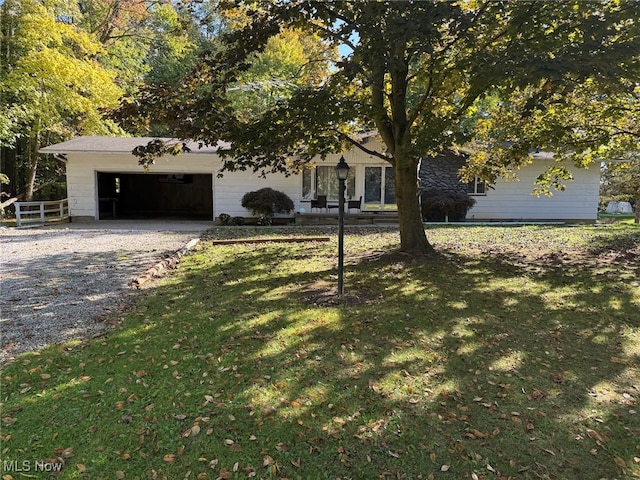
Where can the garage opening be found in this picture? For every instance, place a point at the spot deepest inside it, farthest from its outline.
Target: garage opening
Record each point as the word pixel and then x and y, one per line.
pixel 150 195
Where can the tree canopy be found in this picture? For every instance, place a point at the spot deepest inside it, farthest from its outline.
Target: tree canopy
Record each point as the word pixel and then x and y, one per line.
pixel 65 63
pixel 415 72
pixel 52 87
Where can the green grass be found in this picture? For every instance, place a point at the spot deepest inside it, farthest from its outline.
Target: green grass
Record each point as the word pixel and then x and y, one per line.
pixel 616 218
pixel 513 354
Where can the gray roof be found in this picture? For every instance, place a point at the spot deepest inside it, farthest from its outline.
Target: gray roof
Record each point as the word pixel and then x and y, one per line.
pixel 121 145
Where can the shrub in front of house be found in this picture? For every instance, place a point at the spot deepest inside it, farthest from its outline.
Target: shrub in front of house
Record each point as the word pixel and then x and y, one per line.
pixel 450 205
pixel 225 219
pixel 266 202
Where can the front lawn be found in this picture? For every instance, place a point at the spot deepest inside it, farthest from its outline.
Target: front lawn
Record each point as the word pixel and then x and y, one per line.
pixel 514 354
pixel 616 218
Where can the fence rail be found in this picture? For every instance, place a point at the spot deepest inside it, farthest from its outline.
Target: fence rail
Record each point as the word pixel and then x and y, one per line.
pixel 41 212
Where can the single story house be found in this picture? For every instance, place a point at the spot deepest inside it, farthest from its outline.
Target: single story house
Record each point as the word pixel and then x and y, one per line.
pixel 104 180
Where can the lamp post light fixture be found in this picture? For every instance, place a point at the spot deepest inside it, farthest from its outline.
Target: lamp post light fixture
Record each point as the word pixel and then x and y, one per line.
pixel 342 172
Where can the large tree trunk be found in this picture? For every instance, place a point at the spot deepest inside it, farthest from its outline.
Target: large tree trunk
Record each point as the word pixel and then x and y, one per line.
pixel 637 219
pixel 32 162
pixel 413 238
pixel 32 168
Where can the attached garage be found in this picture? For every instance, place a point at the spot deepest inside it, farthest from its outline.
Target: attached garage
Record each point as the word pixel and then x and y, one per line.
pixel 151 195
pixel 104 181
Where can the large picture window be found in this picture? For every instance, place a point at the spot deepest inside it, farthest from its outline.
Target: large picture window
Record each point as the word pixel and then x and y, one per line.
pixel 379 188
pixel 323 181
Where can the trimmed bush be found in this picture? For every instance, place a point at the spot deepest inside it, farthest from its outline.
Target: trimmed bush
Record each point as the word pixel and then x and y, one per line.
pixel 440 206
pixel 266 202
pixel 225 219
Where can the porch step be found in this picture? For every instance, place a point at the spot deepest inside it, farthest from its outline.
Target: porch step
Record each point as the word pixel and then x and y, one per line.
pixel 368 218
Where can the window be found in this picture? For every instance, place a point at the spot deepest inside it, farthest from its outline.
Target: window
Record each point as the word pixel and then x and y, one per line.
pixel 323 181
pixel 307 182
pixel 477 187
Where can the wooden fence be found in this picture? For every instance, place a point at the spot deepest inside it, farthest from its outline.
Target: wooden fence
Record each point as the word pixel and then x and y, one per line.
pixel 41 212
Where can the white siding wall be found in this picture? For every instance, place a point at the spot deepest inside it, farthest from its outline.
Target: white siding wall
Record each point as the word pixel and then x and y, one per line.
pixel 509 200
pixel 514 201
pixel 233 185
pixel 82 171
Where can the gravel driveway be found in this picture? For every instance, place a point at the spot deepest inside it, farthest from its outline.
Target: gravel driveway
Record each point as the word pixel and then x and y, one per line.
pixel 58 282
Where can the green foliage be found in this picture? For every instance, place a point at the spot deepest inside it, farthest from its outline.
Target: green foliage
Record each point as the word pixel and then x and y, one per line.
pixel 425 75
pixel 52 87
pixel 266 202
pixel 291 60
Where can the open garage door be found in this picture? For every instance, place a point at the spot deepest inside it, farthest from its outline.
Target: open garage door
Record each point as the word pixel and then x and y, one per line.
pixel 150 195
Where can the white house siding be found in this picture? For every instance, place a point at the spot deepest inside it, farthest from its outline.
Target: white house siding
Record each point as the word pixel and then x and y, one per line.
pixel 514 200
pixel 233 185
pixel 83 167
pixel 230 188
pixel 508 201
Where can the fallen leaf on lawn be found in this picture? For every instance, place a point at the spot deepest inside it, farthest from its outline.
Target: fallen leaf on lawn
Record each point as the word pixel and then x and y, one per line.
pixel 596 435
pixel 120 475
pixel 67 452
pixel 474 476
pixel 169 458
pixel 636 459
pixel 296 463
pixel 490 468
pixel 225 474
pixel 620 462
pixel 45 376
pixel 195 430
pixel 444 468
pixel 267 461
pixel 228 442
pixel 82 468
pixel 478 433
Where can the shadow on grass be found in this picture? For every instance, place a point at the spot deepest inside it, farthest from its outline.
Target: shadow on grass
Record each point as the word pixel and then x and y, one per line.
pixel 449 368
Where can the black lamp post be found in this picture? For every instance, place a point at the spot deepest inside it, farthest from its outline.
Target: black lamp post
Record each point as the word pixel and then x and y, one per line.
pixel 342 172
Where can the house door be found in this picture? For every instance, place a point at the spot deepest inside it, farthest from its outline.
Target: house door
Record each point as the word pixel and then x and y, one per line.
pixel 379 188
